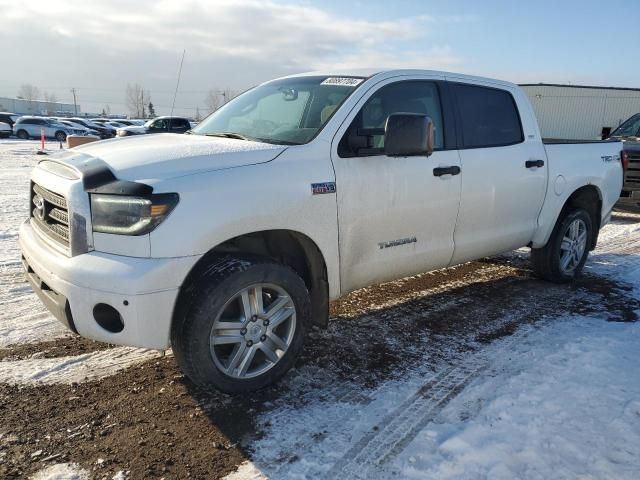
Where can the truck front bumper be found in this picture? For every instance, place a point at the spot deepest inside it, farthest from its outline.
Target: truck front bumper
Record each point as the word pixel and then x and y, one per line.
pixel 78 290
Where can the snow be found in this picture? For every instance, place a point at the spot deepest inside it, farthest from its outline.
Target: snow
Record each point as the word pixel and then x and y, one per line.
pixel 70 471
pixel 564 403
pixel 79 368
pixel 62 471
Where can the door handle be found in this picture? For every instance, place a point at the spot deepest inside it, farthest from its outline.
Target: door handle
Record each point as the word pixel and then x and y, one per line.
pixel 439 171
pixel 534 163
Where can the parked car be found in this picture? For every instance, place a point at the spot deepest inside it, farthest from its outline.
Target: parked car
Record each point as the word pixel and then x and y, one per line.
pixel 5 130
pixel 227 244
pixel 31 127
pixel 158 125
pixel 110 123
pixel 9 118
pixel 629 133
pixel 82 130
pixel 104 131
pixel 124 123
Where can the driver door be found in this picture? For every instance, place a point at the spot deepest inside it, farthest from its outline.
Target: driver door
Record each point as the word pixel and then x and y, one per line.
pixel 395 216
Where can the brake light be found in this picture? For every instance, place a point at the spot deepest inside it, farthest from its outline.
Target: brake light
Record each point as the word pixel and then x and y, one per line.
pixel 625 160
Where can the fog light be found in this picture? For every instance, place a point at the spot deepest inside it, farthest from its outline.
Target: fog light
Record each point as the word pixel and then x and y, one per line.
pixel 108 318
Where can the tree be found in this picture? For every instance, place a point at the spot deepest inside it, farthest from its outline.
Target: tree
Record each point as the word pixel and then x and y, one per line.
pixel 212 100
pixel 228 94
pixel 136 99
pixel 152 111
pixel 50 99
pixel 29 92
pixel 197 117
pixel 106 111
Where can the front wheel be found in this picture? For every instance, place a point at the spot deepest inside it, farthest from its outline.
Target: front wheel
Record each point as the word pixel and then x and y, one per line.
pixel 243 324
pixel 563 257
pixel 22 135
pixel 61 136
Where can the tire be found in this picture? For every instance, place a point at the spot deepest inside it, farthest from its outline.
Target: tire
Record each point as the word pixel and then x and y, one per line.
pixel 226 288
pixel 22 135
pixel 60 136
pixel 561 260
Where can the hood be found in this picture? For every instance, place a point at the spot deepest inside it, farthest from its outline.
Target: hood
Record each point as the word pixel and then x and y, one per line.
pixel 167 155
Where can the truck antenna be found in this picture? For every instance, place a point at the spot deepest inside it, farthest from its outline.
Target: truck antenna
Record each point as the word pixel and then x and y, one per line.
pixel 177 83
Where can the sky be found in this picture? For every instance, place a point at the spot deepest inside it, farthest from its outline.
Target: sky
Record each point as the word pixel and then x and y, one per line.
pixel 98 47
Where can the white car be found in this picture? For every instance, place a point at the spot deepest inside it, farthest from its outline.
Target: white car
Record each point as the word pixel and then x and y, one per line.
pixel 32 127
pixel 5 130
pixel 228 243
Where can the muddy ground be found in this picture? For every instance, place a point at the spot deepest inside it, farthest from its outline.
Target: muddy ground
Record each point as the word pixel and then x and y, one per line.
pixel 150 421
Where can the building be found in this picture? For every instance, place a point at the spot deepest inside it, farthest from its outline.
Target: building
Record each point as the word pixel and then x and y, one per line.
pixel 36 107
pixel 575 112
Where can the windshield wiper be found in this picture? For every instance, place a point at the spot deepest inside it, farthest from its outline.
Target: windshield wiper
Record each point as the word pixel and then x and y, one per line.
pixel 237 136
pixel 250 139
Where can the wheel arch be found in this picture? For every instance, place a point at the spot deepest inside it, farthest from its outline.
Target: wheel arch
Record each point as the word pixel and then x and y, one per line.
pixel 289 247
pixel 588 197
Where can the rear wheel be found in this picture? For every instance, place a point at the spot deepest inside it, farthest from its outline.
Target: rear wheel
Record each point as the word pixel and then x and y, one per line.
pixel 243 324
pixel 563 257
pixel 61 136
pixel 22 135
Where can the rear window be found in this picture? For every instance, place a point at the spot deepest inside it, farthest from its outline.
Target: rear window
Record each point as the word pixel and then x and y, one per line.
pixel 488 116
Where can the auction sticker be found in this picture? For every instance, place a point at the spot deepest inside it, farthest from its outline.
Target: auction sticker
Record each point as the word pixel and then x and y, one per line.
pixel 343 81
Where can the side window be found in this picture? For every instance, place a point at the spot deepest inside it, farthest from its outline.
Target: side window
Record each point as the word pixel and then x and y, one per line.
pixel 159 124
pixel 488 116
pixel 179 124
pixel 365 136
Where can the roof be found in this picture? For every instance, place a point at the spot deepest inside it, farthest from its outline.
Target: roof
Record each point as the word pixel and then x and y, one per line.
pixel 391 72
pixel 560 85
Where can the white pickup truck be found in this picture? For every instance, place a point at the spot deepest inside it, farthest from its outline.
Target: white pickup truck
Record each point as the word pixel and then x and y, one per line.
pixel 228 243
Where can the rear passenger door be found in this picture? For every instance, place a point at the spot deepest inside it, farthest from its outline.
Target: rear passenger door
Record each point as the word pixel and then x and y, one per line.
pixel 501 193
pixel 35 127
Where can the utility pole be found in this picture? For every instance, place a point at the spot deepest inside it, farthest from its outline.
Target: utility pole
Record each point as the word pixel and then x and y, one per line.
pixel 75 104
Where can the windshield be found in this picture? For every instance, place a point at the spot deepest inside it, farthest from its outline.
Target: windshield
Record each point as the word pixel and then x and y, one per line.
pixel 630 128
pixel 291 111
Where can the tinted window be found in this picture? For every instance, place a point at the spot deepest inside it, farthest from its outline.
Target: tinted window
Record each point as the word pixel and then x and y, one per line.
pixel 365 135
pixel 488 116
pixel 178 123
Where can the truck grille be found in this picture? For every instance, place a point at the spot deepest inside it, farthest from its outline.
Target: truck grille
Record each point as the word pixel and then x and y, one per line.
pixel 632 176
pixel 50 214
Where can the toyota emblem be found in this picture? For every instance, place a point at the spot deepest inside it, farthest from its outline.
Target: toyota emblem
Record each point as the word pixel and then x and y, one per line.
pixel 38 201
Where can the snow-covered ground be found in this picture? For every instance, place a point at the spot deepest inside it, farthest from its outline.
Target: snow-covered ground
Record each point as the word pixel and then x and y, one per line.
pixel 557 399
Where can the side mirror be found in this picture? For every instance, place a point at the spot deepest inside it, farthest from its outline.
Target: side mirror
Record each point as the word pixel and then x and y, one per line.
pixel 407 134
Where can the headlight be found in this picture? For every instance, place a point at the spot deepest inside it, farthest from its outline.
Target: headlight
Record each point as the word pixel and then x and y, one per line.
pixel 123 215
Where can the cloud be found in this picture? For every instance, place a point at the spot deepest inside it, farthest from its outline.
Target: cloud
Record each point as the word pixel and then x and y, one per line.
pixel 296 35
pixel 99 47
